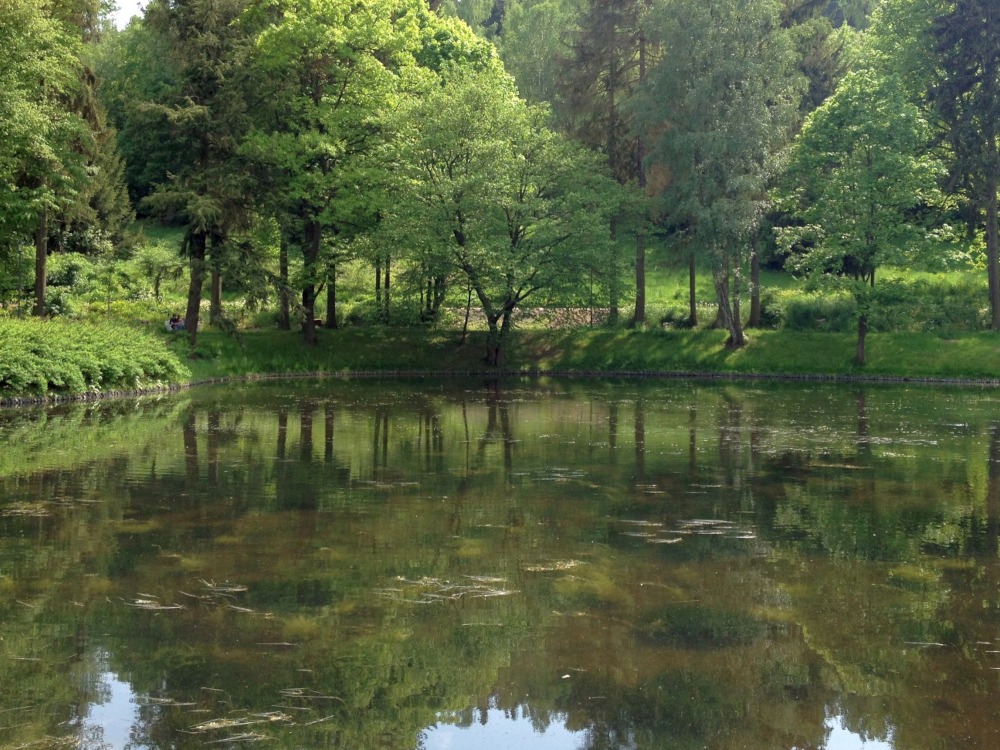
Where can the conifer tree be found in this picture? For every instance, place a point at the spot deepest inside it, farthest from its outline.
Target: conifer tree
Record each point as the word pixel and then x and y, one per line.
pixel 966 98
pixel 202 110
pixel 608 59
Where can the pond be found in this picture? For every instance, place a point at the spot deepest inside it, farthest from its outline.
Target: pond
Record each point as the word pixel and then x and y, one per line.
pixel 521 564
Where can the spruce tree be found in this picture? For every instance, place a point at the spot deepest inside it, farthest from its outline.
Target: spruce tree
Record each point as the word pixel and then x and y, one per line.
pixel 607 61
pixel 966 98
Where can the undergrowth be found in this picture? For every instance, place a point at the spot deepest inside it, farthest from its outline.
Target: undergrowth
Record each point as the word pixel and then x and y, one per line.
pixel 51 357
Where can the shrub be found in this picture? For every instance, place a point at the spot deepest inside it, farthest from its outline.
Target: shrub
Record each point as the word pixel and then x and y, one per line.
pixel 675 317
pixel 50 357
pixel 772 310
pixel 821 313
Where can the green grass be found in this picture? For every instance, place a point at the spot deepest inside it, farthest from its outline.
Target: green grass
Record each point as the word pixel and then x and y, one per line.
pixel 56 358
pixel 611 351
pixel 930 327
pixel 157 232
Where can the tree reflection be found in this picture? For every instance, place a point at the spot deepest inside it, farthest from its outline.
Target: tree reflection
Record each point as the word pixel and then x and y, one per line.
pixel 477 552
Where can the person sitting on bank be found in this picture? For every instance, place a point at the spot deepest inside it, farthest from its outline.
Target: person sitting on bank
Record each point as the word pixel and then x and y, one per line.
pixel 175 323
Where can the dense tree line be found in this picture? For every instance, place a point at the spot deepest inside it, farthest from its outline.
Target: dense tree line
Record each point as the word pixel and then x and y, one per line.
pixel 499 149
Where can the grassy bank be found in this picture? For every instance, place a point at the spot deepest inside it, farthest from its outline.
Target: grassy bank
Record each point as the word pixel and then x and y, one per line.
pixel 907 355
pixel 62 359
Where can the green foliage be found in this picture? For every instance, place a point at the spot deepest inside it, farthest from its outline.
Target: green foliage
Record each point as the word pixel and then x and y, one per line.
pixel 487 191
pixel 821 313
pixel 858 179
pixel 713 112
pixel 51 357
pixel 158 262
pixel 41 166
pixel 533 43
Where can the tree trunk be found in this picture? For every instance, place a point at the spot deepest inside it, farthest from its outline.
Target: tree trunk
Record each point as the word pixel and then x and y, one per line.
pixel 385 286
pixel 284 296
pixel 313 237
pixel 331 298
pixel 754 321
pixel 215 305
pixel 993 250
pixel 497 337
pixel 468 310
pixel 197 242
pixel 378 284
pixel 494 354
pixel 41 261
pixel 640 280
pixel 737 323
pixel 859 357
pixel 727 318
pixel 692 293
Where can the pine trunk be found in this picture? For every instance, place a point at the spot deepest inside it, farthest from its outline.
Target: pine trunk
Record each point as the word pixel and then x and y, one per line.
pixel 993 250
pixel 198 241
pixel 692 292
pixel 41 261
pixel 215 306
pixel 313 237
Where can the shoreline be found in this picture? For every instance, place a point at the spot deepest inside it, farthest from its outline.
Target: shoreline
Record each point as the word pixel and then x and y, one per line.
pixel 13 402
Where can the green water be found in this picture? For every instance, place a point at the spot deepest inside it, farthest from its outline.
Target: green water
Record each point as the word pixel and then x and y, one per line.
pixel 564 564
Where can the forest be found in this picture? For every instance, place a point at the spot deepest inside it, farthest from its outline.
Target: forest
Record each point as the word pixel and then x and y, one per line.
pixel 310 164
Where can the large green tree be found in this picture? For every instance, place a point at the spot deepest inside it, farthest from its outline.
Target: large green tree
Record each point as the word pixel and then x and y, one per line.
pixel 860 180
pixel 498 196
pixel 42 139
pixel 715 110
pixel 328 72
pixel 965 93
pixel 202 113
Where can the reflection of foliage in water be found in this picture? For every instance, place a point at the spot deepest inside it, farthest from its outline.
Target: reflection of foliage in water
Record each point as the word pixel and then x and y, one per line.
pixel 692 626
pixel 815 583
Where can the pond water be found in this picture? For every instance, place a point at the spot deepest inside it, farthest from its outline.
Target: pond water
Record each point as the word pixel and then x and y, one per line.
pixel 526 564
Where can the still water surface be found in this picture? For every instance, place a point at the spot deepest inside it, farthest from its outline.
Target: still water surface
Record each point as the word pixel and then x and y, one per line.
pixel 525 565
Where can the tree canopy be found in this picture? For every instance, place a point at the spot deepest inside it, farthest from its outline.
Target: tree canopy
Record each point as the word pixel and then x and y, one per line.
pixel 298 144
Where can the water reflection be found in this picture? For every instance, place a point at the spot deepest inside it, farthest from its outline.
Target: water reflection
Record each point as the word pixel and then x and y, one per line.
pixel 492 729
pixel 110 720
pixel 585 565
pixel 842 738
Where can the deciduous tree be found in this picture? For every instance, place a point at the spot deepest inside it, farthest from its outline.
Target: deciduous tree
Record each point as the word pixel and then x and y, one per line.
pixel 714 111
pixel 508 203
pixel 860 179
pixel 329 71
pixel 42 140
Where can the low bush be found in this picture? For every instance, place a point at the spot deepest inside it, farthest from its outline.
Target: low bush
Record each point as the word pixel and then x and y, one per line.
pixel 923 306
pixel 59 357
pixel 812 312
